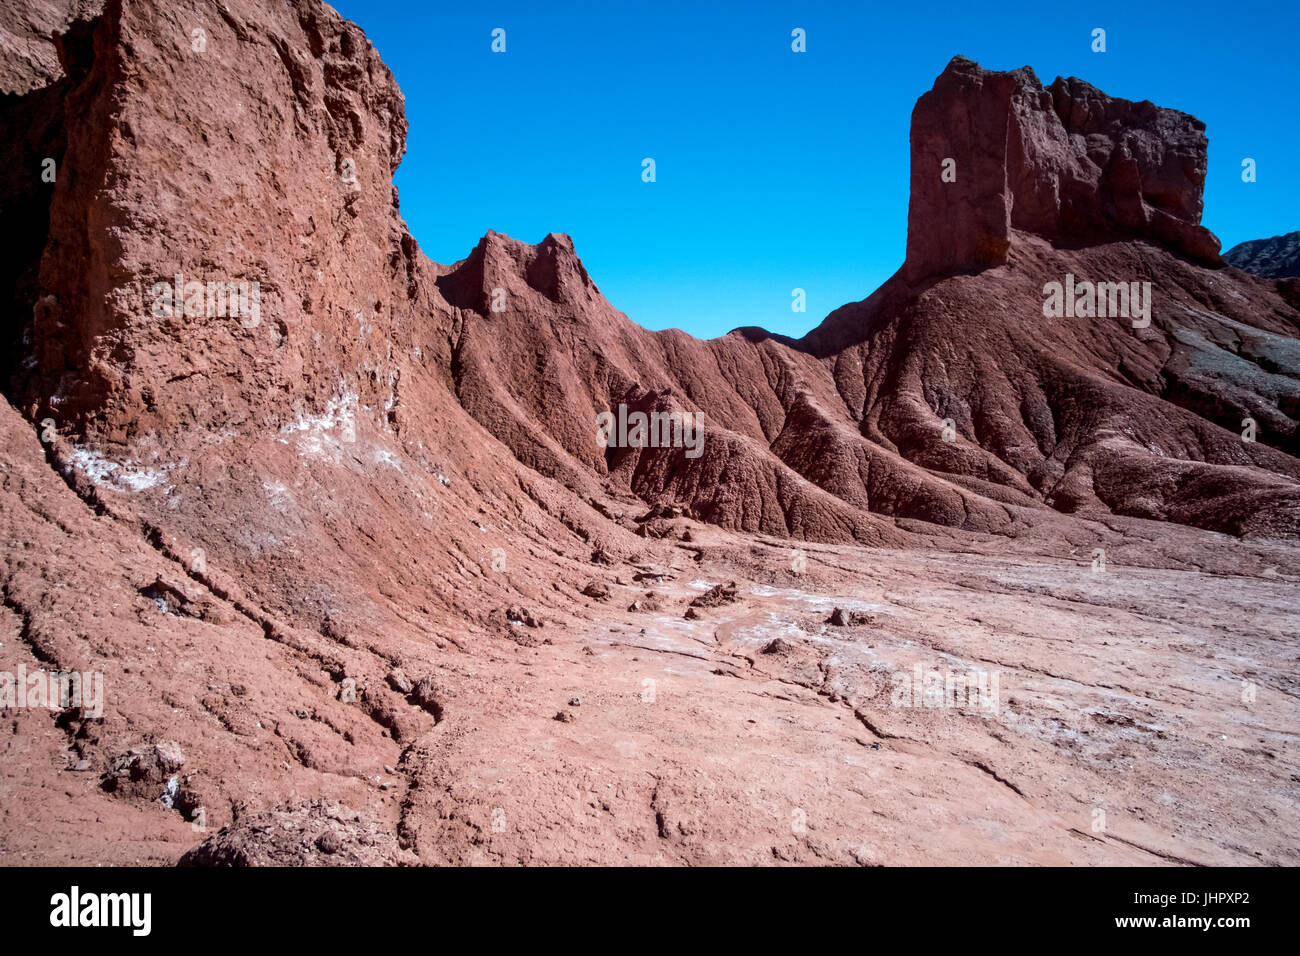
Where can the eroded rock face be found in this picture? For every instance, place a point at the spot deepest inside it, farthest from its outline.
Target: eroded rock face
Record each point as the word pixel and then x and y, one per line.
pixel 1065 162
pixel 362 350
pixel 251 147
pixel 28 58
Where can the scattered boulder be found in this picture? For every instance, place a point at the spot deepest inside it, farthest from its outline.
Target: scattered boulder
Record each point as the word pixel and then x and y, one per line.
pixel 648 602
pixel 521 615
pixel 717 596
pixel 145 770
pixel 597 589
pixel 427 694
pixel 330 842
pixel 842 618
pixel 308 834
pixel 664 511
pixel 177 595
pixel 778 646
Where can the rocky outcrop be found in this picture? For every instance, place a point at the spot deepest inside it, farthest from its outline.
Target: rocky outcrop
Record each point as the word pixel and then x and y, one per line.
pixel 356 344
pixel 309 834
pixel 955 402
pixel 1275 258
pixel 29 59
pixel 994 152
pixel 306 125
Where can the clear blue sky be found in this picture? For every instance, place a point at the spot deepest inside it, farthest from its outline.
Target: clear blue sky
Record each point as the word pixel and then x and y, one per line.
pixel 778 170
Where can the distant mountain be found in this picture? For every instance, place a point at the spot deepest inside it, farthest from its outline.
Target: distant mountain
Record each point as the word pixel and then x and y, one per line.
pixel 1276 258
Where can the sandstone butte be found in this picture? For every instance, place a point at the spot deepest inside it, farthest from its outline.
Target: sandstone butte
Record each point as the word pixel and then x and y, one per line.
pixel 362 587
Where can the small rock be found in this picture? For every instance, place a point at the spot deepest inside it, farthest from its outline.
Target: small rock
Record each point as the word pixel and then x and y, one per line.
pixel 717 595
pixel 142 769
pixel 427 694
pixel 575 701
pixel 521 615
pixel 564 717
pixel 329 842
pixel 777 646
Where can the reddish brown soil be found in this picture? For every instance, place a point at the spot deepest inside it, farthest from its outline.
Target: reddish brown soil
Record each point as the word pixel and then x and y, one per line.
pixel 343 568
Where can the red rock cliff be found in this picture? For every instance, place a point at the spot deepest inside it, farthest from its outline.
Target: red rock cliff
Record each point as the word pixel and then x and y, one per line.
pixel 1066 162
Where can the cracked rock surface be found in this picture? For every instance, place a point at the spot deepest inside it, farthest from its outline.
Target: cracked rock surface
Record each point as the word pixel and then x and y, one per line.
pixel 342 563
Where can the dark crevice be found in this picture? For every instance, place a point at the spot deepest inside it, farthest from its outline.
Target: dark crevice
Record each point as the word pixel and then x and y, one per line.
pixel 31 152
